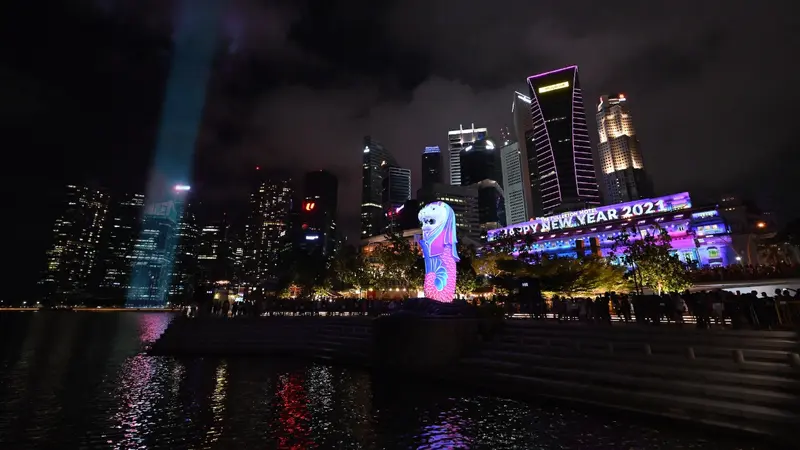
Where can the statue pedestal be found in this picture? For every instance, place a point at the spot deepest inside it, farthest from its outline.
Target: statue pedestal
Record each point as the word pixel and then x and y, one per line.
pixel 419 343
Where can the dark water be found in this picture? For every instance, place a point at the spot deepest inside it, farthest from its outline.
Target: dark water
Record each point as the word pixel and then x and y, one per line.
pixel 80 380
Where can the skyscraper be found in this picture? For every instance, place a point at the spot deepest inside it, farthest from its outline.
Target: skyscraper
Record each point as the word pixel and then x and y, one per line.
pixel 567 179
pixel 318 213
pixel 153 256
pixel 516 192
pixel 124 224
pixel 431 166
pixel 213 258
pixel 619 152
pixel 72 258
pixel 480 167
pixel 397 188
pixel 459 140
pixel 182 279
pixel 523 132
pixel 268 229
pixel 376 162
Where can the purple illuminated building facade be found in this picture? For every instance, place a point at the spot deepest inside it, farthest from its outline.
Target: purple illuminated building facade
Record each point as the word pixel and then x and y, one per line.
pixel 563 154
pixel 699 235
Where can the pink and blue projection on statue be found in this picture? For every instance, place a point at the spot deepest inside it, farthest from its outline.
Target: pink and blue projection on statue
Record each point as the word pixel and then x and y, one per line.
pixel 438 244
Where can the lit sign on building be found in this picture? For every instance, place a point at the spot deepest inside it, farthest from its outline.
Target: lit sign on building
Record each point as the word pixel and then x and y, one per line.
pixel 554 87
pixel 182 187
pixel 309 206
pixel 434 149
pixel 588 217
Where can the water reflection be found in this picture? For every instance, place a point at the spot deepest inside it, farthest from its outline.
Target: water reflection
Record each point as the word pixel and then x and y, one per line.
pixel 81 381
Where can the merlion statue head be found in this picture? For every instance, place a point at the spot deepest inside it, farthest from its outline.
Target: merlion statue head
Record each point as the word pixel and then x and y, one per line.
pixel 438 227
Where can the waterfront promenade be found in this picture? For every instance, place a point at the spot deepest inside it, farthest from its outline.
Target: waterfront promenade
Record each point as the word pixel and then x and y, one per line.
pixel 743 380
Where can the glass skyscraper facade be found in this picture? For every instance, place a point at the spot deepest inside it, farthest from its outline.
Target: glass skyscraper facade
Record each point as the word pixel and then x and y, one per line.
pixel 563 154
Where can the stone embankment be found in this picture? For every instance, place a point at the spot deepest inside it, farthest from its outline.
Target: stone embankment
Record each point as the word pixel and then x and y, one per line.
pixel 325 338
pixel 744 380
pixel 747 380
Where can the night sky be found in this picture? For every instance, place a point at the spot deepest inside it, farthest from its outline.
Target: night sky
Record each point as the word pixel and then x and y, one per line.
pixel 297 84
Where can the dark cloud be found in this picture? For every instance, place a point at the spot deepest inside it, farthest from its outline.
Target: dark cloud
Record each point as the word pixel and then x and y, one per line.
pixel 299 83
pixel 707 81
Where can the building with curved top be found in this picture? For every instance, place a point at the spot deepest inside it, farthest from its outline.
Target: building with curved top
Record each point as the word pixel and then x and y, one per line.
pixel 565 166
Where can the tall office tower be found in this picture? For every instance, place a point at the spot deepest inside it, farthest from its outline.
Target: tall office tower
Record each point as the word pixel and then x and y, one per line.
pixel 268 229
pixel 213 260
pixel 154 256
pixel 431 166
pixel 459 140
pixel 182 279
pixel 318 214
pixel 523 132
pixel 397 187
pixel 236 254
pixel 567 179
pixel 124 223
pixel 514 187
pixel 464 201
pixel 72 258
pixel 620 156
pixel 480 167
pixel 376 163
pixel 396 192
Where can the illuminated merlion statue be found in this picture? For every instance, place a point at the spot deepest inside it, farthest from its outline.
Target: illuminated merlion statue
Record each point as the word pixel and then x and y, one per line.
pixel 438 244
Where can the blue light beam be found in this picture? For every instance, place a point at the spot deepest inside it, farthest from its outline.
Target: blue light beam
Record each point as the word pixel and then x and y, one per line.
pixel 196 30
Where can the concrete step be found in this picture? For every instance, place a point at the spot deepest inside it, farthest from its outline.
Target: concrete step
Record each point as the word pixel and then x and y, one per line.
pixel 533 326
pixel 645 369
pixel 787 345
pixel 753 418
pixel 779 365
pixel 698 389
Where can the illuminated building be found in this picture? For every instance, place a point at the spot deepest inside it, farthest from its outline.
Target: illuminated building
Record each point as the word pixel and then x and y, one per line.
pixel 397 187
pixel 318 214
pixel 431 166
pixel 125 216
pixel 464 202
pixel 620 156
pixel 480 167
pixel 376 162
pixel 182 279
pixel 213 257
pixel 565 167
pixel 698 234
pixel 523 131
pixel 457 141
pixel 514 187
pixel 73 255
pixel 153 256
pixel 268 229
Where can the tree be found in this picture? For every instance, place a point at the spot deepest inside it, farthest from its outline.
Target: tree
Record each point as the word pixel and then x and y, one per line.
pixel 352 268
pixel 397 263
pixel 466 279
pixel 652 263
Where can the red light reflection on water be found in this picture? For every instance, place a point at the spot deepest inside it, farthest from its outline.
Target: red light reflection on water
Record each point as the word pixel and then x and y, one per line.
pixel 294 415
pixel 152 326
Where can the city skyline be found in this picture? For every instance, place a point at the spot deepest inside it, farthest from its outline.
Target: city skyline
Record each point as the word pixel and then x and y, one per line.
pixel 401 87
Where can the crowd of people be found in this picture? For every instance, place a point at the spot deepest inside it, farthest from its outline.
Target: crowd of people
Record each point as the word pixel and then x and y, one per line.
pixel 703 308
pixel 743 272
pixel 273 307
